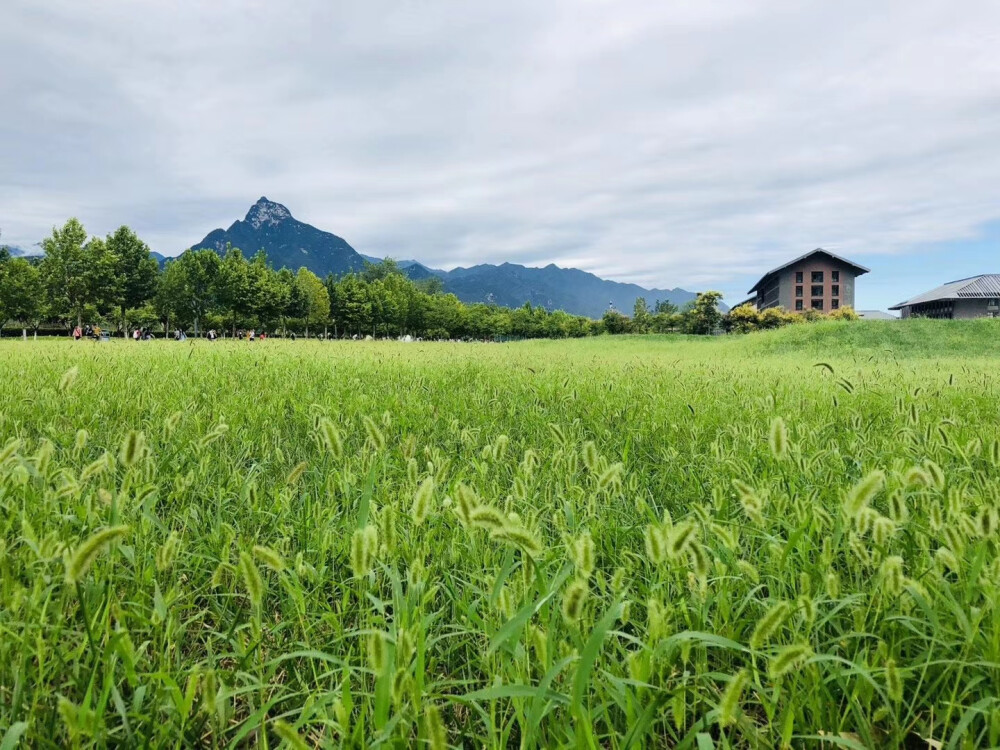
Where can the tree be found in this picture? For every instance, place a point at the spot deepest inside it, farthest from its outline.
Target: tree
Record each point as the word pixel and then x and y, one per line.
pixel 705 317
pixel 21 291
pixel 195 283
pixel 136 271
pixel 640 316
pixel 234 287
pixel 66 271
pixel 315 299
pixel 352 308
pixel 615 322
pixel 269 295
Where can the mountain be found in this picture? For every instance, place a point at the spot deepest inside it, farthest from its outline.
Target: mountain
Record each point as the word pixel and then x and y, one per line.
pixel 288 242
pixel 14 250
pixel 552 287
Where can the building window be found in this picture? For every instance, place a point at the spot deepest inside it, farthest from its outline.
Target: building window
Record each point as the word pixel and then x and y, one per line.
pixel 817 277
pixel 798 291
pixel 834 304
pixel 817 291
pixel 798 303
pixel 817 304
pixel 835 275
pixel 835 290
pixel 798 277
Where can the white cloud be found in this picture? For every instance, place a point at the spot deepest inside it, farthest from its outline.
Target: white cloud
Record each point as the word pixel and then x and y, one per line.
pixel 669 144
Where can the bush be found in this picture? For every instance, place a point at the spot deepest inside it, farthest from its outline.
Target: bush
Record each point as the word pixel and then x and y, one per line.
pixel 844 313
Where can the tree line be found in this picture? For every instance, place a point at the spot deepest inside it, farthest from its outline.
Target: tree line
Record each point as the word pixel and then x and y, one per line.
pixel 116 282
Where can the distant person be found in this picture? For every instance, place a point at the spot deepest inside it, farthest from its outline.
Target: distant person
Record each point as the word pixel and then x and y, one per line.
pixel 77 334
pixel 253 333
pixel 136 334
pixel 293 335
pixel 212 335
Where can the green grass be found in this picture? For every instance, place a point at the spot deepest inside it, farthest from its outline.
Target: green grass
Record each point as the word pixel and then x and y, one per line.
pixel 615 529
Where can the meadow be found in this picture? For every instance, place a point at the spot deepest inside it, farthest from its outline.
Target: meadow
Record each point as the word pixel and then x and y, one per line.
pixel 781 539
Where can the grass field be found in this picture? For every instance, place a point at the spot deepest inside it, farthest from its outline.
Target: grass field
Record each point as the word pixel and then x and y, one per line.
pixel 788 538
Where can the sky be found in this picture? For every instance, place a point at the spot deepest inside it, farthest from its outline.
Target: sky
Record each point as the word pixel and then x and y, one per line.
pixel 680 143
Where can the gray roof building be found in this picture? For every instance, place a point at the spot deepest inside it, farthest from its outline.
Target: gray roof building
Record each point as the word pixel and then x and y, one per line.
pixel 875 315
pixel 974 297
pixel 818 280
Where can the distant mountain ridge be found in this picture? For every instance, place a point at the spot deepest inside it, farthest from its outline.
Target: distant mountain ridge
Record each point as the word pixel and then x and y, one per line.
pixel 289 242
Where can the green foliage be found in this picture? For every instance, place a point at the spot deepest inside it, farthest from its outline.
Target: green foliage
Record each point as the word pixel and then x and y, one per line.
pixel 705 317
pixel 747 319
pixel 627 542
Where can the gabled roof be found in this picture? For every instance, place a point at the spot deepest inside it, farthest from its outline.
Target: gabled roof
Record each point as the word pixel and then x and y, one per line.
pixel 985 286
pixel 858 269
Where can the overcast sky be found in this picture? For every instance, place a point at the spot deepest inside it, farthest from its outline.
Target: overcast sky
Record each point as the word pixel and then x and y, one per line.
pixel 675 143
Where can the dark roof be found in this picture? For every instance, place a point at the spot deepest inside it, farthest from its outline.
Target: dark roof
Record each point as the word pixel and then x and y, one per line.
pixel 859 269
pixel 985 286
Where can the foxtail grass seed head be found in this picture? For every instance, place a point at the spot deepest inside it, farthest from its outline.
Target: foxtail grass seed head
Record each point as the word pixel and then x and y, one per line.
pixel 520 537
pixel 79 562
pixel 988 521
pixel 79 444
pixel 269 557
pixel 434 728
pixel 610 478
pixel 574 598
pixel 487 517
pixel 252 581
pixel 377 651
pixel 376 438
pixel 768 625
pixel 167 552
pixel 465 502
pixel 133 448
pixel 583 554
pixel 778 438
pixel 892 575
pixel 296 473
pixel 590 456
pixel 882 531
pixel 748 571
pixel 936 474
pixel 701 561
pixel 832 585
pixel 893 681
pixel 863 493
pixel 364 548
pixel 680 539
pixel 68 379
pixel 422 501
pixel 788 658
pixel 331 438
pixel 656 543
pixel 947 560
pixel 729 703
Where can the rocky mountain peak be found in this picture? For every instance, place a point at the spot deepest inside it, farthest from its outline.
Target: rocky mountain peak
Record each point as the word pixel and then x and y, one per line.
pixel 267 212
